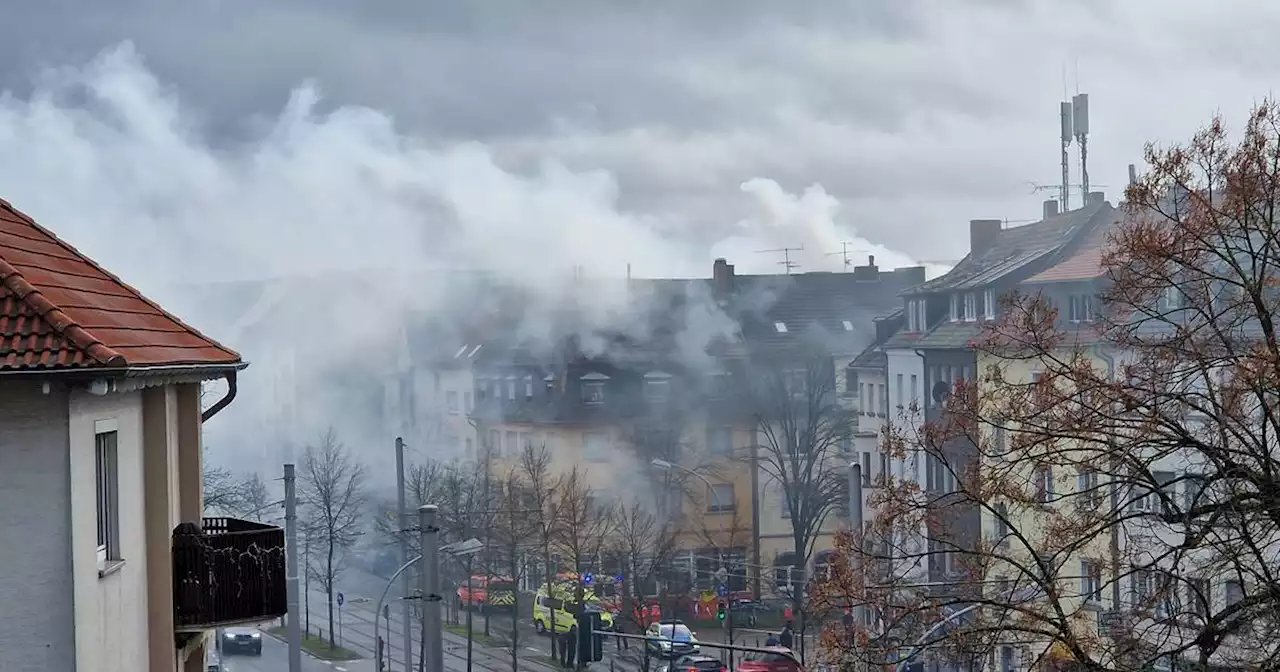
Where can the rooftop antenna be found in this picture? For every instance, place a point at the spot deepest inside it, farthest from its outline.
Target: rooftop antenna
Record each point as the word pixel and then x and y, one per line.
pixel 1080 124
pixel 844 253
pixel 1064 118
pixel 786 256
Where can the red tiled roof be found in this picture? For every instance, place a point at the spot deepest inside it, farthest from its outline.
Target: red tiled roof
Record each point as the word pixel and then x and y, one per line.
pixel 60 310
pixel 1083 264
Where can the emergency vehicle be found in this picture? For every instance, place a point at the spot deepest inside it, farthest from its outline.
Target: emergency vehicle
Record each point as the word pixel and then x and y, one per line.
pixel 488 593
pixel 560 600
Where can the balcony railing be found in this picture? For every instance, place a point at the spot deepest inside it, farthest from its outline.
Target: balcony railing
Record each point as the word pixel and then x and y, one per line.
pixel 230 571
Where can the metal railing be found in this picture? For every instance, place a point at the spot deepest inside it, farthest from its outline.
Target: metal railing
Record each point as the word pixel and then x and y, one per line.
pixel 227 571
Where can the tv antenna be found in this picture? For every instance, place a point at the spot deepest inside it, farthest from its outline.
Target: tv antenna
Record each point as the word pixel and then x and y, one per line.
pixel 844 253
pixel 786 256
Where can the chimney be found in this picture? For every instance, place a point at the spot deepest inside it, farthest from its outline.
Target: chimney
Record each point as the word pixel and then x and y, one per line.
pixel 868 272
pixel 1133 174
pixel 982 234
pixel 722 277
pixel 1050 208
pixel 1096 197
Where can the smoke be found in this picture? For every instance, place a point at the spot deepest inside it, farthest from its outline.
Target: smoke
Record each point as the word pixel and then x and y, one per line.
pixel 357 223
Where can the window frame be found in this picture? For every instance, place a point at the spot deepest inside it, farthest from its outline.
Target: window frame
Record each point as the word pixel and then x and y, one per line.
pixel 713 500
pixel 970 307
pixel 106 452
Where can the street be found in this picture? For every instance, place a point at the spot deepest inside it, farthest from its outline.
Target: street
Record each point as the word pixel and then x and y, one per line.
pixel 275 658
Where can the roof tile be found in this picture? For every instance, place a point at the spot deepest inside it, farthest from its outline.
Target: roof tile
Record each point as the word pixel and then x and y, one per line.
pixel 60 310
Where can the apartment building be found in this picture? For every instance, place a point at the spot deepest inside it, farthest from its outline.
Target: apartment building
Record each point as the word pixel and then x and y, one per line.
pixel 109 562
pixel 932 348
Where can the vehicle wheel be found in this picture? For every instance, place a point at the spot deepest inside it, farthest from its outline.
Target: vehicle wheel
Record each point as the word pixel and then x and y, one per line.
pixel 539 628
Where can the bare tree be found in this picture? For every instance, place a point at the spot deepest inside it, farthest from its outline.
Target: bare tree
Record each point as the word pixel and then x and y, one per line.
pixel 585 523
pixel 1126 456
pixel 332 494
pixel 513 525
pixel 646 543
pixel 797 414
pixel 540 490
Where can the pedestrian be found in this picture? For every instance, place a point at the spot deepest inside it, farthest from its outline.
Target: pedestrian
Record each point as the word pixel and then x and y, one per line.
pixel 785 637
pixel 618 628
pixel 772 640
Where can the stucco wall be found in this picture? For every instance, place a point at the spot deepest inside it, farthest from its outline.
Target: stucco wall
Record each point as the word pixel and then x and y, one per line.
pixel 37 617
pixel 111 630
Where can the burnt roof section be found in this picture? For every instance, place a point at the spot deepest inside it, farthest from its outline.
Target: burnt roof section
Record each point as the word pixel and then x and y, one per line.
pixel 1014 248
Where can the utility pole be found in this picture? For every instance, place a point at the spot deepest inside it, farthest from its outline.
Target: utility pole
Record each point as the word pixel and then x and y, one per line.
pixel 403 521
pixel 294 634
pixel 429 585
pixel 858 527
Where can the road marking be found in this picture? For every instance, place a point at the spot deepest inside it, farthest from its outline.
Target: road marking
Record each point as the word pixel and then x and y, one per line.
pixel 340 669
pixel 530 648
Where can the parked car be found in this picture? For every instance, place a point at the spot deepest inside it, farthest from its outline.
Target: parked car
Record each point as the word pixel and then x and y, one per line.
pixel 676 640
pixel 744 612
pixel 775 659
pixel 241 640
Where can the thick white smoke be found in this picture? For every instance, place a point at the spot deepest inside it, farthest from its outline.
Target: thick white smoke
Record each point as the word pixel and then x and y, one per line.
pixel 108 157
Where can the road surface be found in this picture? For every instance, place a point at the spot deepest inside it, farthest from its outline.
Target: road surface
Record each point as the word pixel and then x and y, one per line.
pixel 275 658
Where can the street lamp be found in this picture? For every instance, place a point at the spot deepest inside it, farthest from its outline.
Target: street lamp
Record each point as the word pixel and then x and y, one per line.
pixel 664 465
pixel 466 549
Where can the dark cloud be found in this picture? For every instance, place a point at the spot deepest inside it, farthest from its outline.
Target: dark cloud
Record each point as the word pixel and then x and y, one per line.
pixel 916 114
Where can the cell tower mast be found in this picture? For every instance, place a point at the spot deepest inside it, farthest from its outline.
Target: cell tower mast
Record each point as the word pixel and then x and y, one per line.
pixel 1080 122
pixel 1064 112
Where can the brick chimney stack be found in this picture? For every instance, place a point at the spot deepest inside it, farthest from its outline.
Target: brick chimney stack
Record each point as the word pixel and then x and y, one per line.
pixel 982 235
pixel 722 278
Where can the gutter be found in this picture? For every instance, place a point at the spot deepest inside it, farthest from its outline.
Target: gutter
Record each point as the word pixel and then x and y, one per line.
pixel 224 401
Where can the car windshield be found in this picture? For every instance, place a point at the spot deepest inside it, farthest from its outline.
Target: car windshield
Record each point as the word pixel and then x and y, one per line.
pixel 762 657
pixel 680 633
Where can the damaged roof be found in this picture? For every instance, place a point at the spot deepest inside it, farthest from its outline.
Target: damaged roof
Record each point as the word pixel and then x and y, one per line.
pixel 59 310
pixel 1017 247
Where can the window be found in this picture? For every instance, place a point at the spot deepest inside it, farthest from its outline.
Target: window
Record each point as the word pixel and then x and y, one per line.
pixel 512 443
pixel 1199 596
pixel 1044 483
pixel 466 402
pixel 495 442
pixel 1171 298
pixel 523 440
pixel 970 307
pixel 1080 308
pixel 595 446
pixel 899 391
pixel 882 402
pixel 1008 659
pixel 989 304
pixel 784 506
pixel 780 327
pixel 866 469
pixel 1001 512
pixel 720 440
pixel 721 498
pixel 1087 488
pixel 864 403
pixel 884 468
pixel 848 326
pixel 1164 496
pixel 1091 581
pixel 108 492
pixel 593 388
pixel 468 455
pixel 657 387
pixel 915 391
pixel 451 401
pixel 717 385
pixel 1234 592
pixel 955 307
pixel 1001 442
pixel 1193 491
pixel 916 315
pixel 528 387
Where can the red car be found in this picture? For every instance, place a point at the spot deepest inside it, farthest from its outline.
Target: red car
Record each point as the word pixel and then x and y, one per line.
pixel 776 659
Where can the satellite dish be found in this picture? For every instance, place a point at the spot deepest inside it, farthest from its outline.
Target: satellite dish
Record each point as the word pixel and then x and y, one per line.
pixel 941 390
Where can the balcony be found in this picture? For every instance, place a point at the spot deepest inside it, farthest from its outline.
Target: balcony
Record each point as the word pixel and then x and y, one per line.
pixel 229 572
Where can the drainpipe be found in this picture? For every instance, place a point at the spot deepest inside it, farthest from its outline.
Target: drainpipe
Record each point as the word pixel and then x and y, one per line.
pixel 224 401
pixel 1115 500
pixel 755 513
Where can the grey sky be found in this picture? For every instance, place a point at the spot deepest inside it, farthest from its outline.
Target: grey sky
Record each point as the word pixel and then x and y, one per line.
pixel 916 115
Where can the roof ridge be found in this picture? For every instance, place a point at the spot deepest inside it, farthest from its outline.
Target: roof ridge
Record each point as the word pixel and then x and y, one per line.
pixel 60 321
pixel 95 265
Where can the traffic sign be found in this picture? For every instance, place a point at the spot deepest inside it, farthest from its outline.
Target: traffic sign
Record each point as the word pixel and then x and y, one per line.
pixel 588 578
pixel 722 590
pixel 340 600
pixel 618 578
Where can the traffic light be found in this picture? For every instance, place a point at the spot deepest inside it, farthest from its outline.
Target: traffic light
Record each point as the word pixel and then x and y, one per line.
pixel 590 645
pixel 721 613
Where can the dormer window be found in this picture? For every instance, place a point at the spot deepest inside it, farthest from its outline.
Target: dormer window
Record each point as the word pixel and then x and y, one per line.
pixel 780 327
pixel 593 388
pixel 916 316
pixel 970 307
pixel 989 304
pixel 848 326
pixel 528 387
pixel 657 387
pixel 511 388
pixel 955 307
pixel 550 383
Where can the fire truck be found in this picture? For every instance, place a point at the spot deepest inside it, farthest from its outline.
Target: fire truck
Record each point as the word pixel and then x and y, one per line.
pixel 488 593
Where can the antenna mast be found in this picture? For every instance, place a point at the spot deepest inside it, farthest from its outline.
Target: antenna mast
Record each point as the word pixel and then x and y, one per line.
pixel 786 256
pixel 1080 121
pixel 844 253
pixel 1064 193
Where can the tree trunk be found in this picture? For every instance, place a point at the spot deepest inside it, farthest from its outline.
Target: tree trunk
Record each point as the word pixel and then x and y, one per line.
pixel 548 573
pixel 333 639
pixel 515 609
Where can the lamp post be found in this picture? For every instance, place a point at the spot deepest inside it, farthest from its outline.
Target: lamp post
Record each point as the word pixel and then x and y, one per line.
pixel 664 465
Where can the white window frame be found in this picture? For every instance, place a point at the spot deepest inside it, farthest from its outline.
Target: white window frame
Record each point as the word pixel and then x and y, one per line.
pixel 528 387
pixel 899 391
pixel 915 390
pixel 714 503
pixel 955 307
pixel 989 304
pixel 106 452
pixel 1090 581
pixel 970 307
